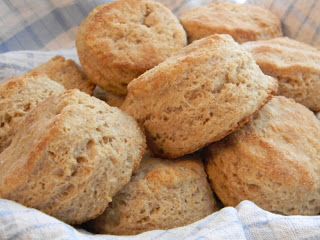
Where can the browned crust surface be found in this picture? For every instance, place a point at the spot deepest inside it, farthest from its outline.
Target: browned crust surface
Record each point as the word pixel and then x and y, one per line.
pixel 243 22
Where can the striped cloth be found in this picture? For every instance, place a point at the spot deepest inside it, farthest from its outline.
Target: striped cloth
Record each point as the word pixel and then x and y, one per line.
pixel 41 24
pixel 51 25
pixel 245 222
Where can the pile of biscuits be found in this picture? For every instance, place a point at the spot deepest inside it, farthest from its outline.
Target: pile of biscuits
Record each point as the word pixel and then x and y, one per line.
pixel 194 114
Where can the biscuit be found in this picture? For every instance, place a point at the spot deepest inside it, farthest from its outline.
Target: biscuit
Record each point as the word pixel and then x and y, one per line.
pixel 119 41
pixel 243 22
pixel 18 96
pixel 163 194
pixel 296 66
pixel 274 161
pixel 65 72
pixel 198 96
pixel 71 155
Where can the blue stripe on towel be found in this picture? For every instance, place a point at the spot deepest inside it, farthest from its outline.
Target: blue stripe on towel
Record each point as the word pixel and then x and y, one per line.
pixel 47 28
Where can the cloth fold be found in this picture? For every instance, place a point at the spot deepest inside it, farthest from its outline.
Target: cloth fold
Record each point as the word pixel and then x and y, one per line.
pixel 246 221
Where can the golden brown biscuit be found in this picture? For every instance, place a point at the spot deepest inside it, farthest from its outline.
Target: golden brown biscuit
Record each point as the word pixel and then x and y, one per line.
pixel 65 72
pixel 296 66
pixel 198 96
pixel 163 194
pixel 71 155
pixel 18 96
pixel 121 40
pixel 274 161
pixel 243 22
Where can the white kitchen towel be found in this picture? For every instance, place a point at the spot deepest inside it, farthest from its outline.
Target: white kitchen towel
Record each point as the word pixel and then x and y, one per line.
pixel 245 222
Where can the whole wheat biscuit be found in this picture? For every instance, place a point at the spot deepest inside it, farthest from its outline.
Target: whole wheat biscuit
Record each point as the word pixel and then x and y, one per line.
pixel 65 72
pixel 163 194
pixel 296 66
pixel 198 96
pixel 72 154
pixel 274 161
pixel 243 22
pixel 120 40
pixel 18 96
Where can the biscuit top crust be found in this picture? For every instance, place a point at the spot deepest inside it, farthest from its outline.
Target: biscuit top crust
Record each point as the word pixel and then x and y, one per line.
pixel 133 34
pixel 65 72
pixel 285 53
pixel 296 66
pixel 218 45
pixel 244 22
pixel 20 87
